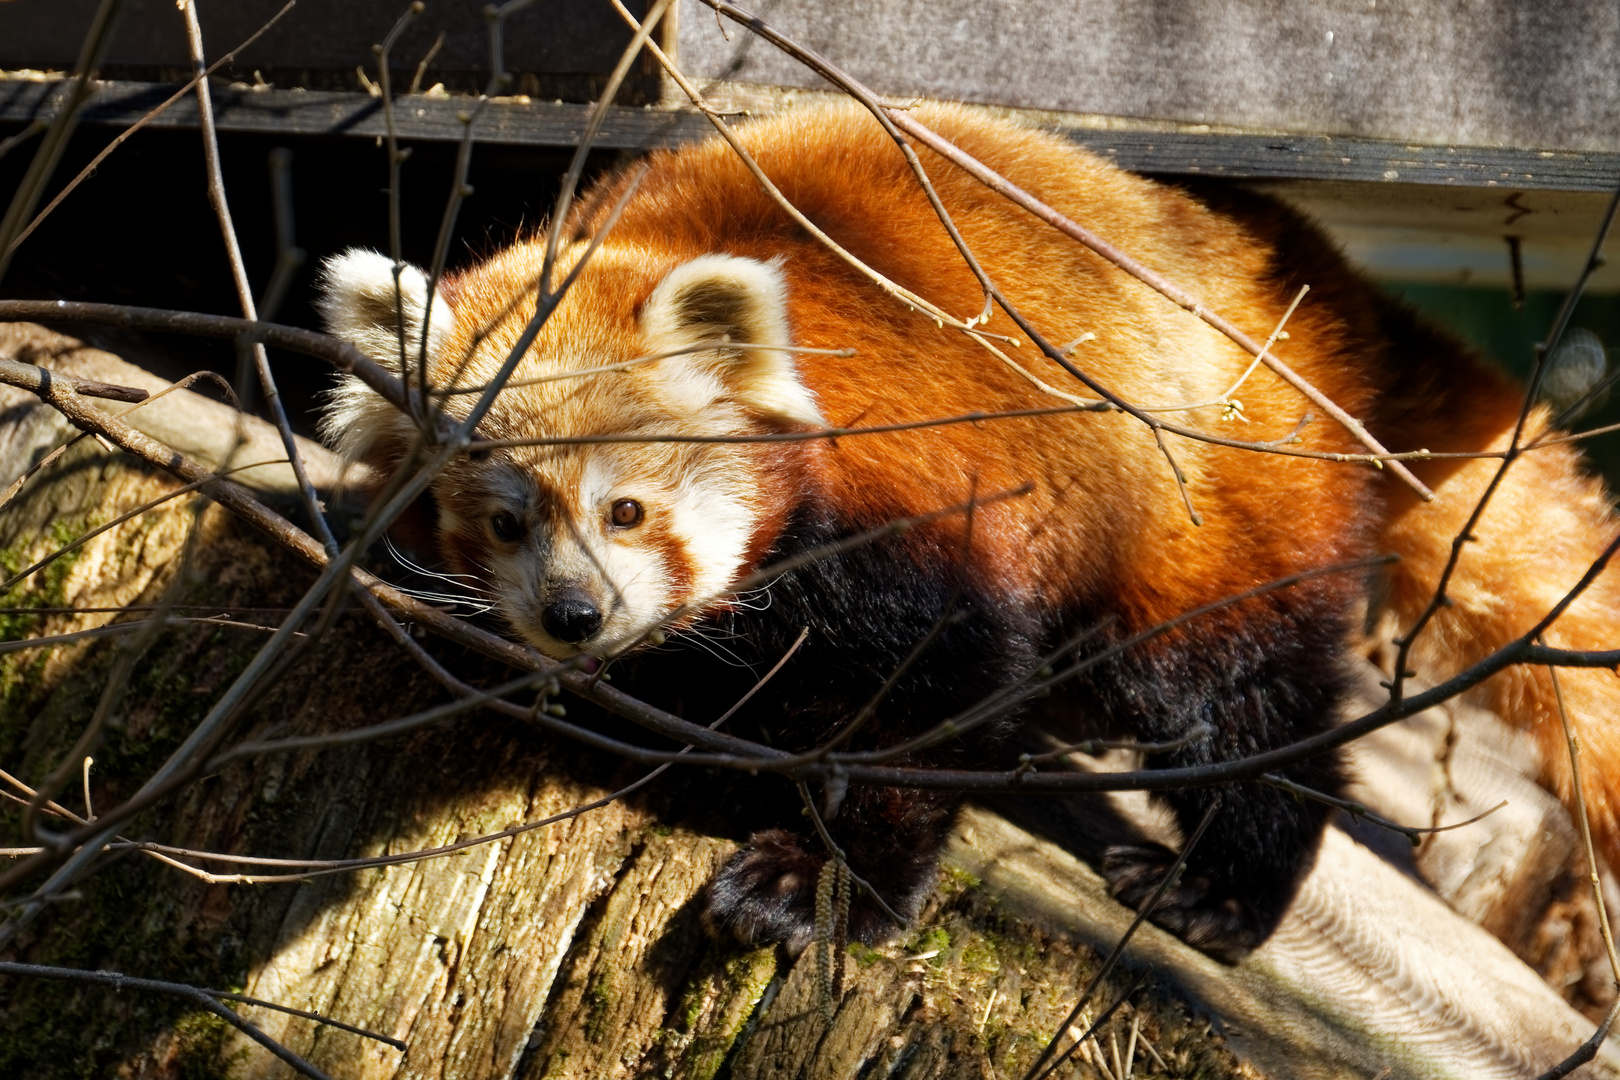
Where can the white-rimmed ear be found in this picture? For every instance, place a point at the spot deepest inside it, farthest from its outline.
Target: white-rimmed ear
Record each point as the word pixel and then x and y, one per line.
pixel 742 300
pixel 359 303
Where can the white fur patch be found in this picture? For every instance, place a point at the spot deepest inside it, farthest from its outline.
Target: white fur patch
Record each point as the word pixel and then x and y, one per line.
pixel 714 522
pixel 707 510
pixel 745 300
pixel 360 304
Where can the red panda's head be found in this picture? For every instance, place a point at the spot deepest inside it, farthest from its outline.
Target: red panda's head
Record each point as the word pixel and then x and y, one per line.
pixel 586 547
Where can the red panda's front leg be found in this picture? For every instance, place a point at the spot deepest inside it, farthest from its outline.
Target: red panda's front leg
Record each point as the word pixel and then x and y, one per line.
pixel 867 609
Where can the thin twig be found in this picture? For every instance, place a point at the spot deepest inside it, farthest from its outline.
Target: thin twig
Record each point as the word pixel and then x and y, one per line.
pixel 193 994
pixel 723 341
pixel 1572 737
pixel 396 161
pixel 114 629
pixel 1091 747
pixel 836 852
pixel 1413 833
pixel 16 370
pixel 1160 284
pixel 1034 1072
pixel 244 289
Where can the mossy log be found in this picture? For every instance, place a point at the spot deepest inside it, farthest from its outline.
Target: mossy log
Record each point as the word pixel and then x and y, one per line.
pixel 574 950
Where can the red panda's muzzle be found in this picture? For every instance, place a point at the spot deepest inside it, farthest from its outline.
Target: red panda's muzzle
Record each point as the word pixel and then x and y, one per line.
pixel 572 616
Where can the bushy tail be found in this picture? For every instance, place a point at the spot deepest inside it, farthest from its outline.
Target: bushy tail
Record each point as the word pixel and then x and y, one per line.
pixel 1543 529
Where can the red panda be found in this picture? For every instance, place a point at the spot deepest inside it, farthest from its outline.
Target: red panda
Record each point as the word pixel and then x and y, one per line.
pixel 584 548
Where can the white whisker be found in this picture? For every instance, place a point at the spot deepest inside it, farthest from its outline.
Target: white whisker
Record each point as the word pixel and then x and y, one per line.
pixel 697 637
pixel 459 580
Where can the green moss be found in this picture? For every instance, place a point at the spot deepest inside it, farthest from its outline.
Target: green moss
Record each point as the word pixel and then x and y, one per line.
pixel 954 879
pixel 691 1006
pixel 199 1039
pixel 979 954
pixel 21 673
pixel 863 955
pixel 747 974
pixel 598 1003
pixel 932 939
pixel 556 1065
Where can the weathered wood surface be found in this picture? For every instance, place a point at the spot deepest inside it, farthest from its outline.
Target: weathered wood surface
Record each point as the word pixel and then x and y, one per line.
pixel 574 950
pixel 1165 149
pixel 1518 74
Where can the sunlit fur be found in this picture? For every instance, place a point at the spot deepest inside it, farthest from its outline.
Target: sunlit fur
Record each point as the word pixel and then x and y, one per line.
pixel 702 506
pixel 701 251
pixel 360 302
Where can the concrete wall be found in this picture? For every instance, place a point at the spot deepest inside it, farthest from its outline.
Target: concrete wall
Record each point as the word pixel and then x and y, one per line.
pixel 1529 73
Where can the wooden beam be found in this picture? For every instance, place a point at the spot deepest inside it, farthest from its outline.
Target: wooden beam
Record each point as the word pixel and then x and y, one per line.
pixel 521 122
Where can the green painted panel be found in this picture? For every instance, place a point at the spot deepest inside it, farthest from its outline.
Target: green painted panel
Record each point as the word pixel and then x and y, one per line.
pixel 1487 319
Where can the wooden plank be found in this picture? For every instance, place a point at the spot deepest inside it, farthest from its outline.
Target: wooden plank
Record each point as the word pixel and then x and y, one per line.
pixel 329 112
pixel 565 48
pixel 1322 157
pixel 532 123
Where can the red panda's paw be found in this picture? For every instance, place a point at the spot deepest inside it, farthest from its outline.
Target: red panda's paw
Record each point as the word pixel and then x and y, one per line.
pixel 1211 920
pixel 766 895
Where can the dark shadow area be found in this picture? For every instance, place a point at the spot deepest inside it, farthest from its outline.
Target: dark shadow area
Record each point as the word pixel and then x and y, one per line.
pixel 140 231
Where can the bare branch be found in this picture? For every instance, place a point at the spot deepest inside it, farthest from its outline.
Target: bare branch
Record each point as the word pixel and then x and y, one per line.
pixel 202 998
pixel 244 290
pixel 335 351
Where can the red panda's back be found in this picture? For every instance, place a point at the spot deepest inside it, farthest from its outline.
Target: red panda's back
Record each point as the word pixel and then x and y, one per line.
pixel 1104 496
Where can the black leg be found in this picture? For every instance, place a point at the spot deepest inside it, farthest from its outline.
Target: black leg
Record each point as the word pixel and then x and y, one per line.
pixel 1256 686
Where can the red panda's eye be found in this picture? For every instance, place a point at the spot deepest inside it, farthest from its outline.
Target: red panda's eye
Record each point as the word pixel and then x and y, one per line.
pixel 626 513
pixel 506 526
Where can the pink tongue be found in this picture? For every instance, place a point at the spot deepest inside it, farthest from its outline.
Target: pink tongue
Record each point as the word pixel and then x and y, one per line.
pixel 588 664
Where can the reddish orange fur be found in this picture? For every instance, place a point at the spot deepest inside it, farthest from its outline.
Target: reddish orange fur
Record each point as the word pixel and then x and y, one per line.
pixel 1104 520
pixel 1264 516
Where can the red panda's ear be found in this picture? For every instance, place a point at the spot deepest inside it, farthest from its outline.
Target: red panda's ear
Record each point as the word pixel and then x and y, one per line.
pixel 741 306
pixel 360 303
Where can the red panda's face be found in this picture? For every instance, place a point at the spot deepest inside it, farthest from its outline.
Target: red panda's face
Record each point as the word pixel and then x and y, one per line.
pixel 589 546
pixel 588 549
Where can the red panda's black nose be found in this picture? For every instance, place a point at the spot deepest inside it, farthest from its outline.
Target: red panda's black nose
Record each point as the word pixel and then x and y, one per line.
pixel 571 617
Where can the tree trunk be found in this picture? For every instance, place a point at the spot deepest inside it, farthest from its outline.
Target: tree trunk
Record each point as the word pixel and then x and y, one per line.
pixel 574 949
